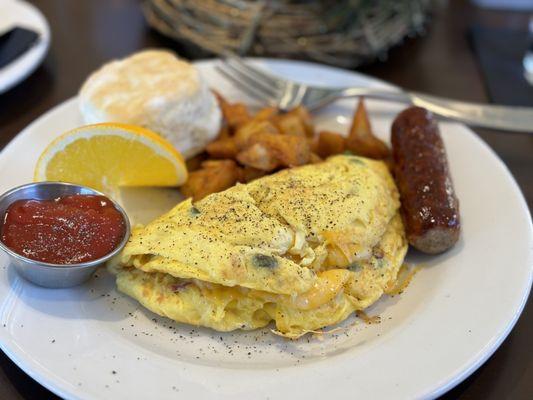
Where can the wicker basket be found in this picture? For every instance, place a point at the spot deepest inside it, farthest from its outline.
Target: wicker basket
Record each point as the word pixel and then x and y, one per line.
pixel 345 33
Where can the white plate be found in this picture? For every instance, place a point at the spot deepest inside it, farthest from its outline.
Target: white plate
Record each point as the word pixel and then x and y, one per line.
pixel 19 13
pixel 92 342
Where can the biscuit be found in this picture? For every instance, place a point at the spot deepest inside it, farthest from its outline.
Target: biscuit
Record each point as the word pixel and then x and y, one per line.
pixel 158 91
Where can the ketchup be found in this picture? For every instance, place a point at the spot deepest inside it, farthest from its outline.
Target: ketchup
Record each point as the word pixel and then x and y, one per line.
pixel 67 230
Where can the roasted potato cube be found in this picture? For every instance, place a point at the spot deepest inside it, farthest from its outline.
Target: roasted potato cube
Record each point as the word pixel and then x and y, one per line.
pixel 330 143
pixel 235 114
pixel 224 131
pixel 214 176
pixel 313 144
pixel 361 140
pixel 251 173
pixel 222 148
pixel 266 113
pixel 290 124
pixel 307 121
pixel 221 99
pixel 253 127
pixel 258 156
pixel 218 163
pixel 292 150
pixel 268 151
pixel 314 158
pixel 195 162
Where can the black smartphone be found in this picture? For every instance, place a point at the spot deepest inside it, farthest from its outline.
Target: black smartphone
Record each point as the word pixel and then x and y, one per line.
pixel 14 43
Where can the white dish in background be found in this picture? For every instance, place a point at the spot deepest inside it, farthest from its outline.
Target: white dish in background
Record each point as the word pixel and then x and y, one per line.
pixel 91 342
pixel 20 13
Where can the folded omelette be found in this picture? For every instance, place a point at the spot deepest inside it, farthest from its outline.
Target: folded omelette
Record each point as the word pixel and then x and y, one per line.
pixel 304 248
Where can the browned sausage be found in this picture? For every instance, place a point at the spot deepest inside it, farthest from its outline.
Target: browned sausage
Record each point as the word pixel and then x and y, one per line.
pixel 429 206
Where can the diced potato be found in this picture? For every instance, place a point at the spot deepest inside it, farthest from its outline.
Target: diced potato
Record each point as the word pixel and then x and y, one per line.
pixel 251 173
pixel 253 127
pixel 222 148
pixel 268 151
pixel 291 150
pixel 235 114
pixel 314 158
pixel 266 113
pixel 221 99
pixel 195 162
pixel 214 176
pixel 307 121
pixel 330 143
pixel 313 144
pixel 219 164
pixel 290 124
pixel 263 143
pixel 258 156
pixel 224 131
pixel 361 140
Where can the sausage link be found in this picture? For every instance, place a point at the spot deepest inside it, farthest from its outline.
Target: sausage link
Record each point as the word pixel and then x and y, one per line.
pixel 429 206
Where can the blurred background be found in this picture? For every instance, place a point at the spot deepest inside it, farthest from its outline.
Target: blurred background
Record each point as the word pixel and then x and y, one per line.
pixel 472 50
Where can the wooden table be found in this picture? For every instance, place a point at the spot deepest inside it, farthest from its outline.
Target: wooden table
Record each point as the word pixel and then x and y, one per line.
pixel 87 33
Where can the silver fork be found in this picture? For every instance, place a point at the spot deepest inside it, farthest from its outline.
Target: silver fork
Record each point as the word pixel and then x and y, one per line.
pixel 286 94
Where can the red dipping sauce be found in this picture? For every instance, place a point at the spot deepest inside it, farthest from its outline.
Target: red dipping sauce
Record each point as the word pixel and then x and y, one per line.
pixel 67 230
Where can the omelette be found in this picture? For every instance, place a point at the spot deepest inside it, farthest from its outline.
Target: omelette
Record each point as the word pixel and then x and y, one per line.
pixel 303 248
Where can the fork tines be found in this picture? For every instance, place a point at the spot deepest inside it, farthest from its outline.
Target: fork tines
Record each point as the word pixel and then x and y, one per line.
pixel 251 80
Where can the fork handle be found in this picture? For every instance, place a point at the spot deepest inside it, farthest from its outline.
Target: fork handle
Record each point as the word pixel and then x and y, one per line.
pixel 517 119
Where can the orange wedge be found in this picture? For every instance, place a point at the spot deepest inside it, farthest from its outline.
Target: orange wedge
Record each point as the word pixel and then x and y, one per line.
pixel 111 155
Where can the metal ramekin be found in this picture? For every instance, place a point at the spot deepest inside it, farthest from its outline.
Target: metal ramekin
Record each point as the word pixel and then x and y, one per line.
pixel 47 274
